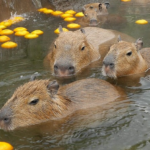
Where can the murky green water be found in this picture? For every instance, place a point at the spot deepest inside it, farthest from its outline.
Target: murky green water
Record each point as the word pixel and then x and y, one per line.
pixel 124 126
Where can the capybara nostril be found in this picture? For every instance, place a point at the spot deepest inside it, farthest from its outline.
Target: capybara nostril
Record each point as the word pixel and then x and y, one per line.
pixel 111 65
pixel 71 70
pixel 6 120
pixel 55 67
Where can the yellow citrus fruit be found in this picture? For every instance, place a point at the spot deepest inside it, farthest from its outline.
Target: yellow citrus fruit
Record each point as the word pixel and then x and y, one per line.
pixel 73 25
pixel 79 14
pixel 21 33
pixel 7 23
pixel 142 21
pixel 69 19
pixel 66 15
pixel 38 32
pixel 4 38
pixel 2 26
pixel 6 32
pixel 42 9
pixel 9 44
pixel 31 36
pixel 20 29
pixel 48 11
pixel 5 146
pixel 57 13
pixel 70 12
pixel 57 30
pixel 18 18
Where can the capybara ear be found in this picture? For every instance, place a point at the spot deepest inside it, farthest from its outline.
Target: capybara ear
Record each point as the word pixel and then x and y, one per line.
pixel 53 87
pixel 119 38
pixel 91 7
pixel 60 29
pixel 100 6
pixel 139 44
pixel 33 77
pixel 107 4
pixel 82 30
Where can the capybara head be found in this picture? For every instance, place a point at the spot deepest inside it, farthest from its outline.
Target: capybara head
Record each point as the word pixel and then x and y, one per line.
pixel 32 103
pixel 123 59
pixel 70 53
pixel 93 10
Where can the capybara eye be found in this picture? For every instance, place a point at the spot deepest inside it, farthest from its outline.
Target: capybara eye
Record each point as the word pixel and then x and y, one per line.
pixel 83 48
pixel 85 15
pixel 129 54
pixel 34 102
pixel 54 45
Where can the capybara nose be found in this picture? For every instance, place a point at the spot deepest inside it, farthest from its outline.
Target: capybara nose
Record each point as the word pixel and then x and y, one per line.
pixel 64 70
pixel 93 22
pixel 108 63
pixel 5 116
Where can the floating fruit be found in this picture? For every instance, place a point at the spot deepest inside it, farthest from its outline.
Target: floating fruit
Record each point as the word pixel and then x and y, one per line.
pixel 79 14
pixel 42 9
pixel 48 11
pixel 20 29
pixel 125 0
pixel 21 33
pixel 73 25
pixel 38 32
pixel 70 12
pixel 57 30
pixel 57 13
pixel 142 21
pixel 18 18
pixel 69 19
pixel 31 36
pixel 9 44
pixel 66 15
pixel 2 26
pixel 6 32
pixel 5 146
pixel 4 38
pixel 6 23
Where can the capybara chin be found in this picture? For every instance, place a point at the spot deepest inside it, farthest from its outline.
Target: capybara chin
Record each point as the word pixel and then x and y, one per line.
pixel 125 58
pixel 41 100
pixel 72 51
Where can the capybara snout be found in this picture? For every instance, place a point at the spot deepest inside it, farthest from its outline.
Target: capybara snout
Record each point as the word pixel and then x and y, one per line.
pixel 64 69
pixel 5 117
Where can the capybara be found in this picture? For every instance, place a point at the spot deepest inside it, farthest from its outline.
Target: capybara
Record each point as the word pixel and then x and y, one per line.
pixel 125 58
pixel 97 13
pixel 92 11
pixel 72 51
pixel 42 100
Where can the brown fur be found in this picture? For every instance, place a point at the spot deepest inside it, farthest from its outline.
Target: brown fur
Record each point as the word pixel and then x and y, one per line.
pixel 97 13
pixel 54 103
pixel 124 65
pixel 68 47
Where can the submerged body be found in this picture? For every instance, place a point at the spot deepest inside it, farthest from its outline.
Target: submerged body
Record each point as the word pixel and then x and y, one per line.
pixel 72 51
pixel 125 58
pixel 41 100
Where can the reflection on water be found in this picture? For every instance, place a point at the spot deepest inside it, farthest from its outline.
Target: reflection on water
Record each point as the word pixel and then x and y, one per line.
pixel 123 126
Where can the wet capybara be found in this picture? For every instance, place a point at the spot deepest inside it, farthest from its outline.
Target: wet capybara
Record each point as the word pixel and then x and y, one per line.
pixel 72 51
pixel 42 100
pixel 97 13
pixel 125 58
